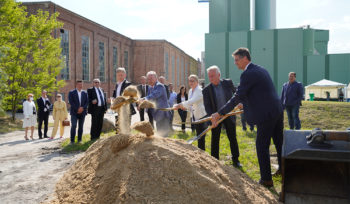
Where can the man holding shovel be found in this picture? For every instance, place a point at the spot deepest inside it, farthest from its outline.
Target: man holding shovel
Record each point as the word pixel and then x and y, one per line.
pixel 215 96
pixel 262 107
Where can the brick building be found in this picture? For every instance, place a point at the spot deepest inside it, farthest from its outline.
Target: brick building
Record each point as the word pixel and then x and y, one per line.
pixel 91 50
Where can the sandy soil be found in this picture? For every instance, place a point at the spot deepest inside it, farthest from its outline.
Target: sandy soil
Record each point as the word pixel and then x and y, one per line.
pixel 29 170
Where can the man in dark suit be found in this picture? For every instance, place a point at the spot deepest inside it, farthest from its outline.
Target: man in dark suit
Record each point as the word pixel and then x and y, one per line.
pixel 122 83
pixel 262 107
pixel 97 108
pixel 143 90
pixel 215 96
pixel 43 113
pixel 162 80
pixel 78 100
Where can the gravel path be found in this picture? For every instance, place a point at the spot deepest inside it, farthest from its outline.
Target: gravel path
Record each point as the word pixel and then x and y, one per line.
pixel 30 169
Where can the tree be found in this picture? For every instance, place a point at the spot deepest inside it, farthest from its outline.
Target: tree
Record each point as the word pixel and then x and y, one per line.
pixel 30 57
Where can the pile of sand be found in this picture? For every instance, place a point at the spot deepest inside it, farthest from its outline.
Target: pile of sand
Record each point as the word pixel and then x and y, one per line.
pixel 147 104
pixel 130 91
pixel 140 169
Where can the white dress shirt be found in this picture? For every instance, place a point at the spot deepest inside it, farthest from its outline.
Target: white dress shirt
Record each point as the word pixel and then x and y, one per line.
pixel 195 101
pixel 99 102
pixel 119 88
pixel 79 96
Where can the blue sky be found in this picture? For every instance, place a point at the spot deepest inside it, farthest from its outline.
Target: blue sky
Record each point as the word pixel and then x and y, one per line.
pixel 184 22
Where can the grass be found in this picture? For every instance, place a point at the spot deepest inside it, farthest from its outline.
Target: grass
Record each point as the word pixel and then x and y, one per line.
pixel 83 145
pixel 8 125
pixel 248 158
pixel 325 115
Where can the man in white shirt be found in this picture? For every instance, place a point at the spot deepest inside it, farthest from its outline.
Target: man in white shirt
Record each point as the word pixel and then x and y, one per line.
pixel 195 105
pixel 122 83
pixel 78 100
pixel 97 108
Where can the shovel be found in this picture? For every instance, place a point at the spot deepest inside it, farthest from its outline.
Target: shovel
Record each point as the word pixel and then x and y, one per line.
pixel 195 138
pixel 234 112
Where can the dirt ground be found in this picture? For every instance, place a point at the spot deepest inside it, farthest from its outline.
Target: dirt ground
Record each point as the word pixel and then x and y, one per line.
pixel 29 170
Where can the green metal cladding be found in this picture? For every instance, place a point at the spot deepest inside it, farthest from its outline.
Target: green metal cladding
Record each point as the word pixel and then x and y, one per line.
pixel 280 51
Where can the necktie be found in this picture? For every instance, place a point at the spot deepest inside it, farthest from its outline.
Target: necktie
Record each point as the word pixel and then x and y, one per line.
pixel 101 97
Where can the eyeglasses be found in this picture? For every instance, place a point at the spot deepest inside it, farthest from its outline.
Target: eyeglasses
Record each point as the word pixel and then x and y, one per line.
pixel 96 82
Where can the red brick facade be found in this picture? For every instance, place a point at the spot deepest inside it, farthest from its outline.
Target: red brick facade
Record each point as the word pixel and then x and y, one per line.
pixel 143 55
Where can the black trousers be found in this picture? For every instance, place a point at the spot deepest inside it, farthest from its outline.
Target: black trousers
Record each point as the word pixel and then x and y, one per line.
pixel 183 116
pixel 230 127
pixel 43 118
pixel 142 115
pixel 265 131
pixel 96 122
pixel 199 129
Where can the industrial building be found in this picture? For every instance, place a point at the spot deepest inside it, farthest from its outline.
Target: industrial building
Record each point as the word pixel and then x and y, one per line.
pixel 91 50
pixel 302 50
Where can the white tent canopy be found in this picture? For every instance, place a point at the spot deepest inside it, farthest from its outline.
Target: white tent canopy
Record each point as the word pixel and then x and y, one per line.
pixel 321 88
pixel 326 83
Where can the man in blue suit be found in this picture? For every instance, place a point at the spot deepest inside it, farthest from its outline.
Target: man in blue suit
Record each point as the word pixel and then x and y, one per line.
pixel 78 100
pixel 292 94
pixel 262 107
pixel 157 94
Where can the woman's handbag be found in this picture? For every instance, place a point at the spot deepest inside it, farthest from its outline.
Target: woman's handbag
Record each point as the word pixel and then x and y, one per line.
pixel 66 123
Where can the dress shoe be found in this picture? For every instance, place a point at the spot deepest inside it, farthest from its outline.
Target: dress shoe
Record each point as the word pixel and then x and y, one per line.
pixel 277 173
pixel 40 138
pixel 46 137
pixel 267 184
pixel 237 164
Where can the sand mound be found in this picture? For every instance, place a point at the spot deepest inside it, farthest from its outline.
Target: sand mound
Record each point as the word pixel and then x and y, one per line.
pixel 140 169
pixel 144 127
pixel 147 104
pixel 130 91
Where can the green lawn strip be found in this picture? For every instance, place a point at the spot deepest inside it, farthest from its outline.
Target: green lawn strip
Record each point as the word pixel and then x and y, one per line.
pixel 248 157
pixel 83 145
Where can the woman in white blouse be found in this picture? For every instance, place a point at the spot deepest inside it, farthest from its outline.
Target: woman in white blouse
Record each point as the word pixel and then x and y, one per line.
pixel 195 105
pixel 29 112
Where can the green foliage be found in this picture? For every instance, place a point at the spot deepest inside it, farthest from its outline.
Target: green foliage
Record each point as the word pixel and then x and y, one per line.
pixel 30 56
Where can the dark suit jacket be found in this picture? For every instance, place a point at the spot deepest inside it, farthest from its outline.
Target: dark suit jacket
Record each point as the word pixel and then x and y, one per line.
pixel 92 96
pixel 141 91
pixel 258 95
pixel 178 97
pixel 167 91
pixel 42 106
pixel 124 85
pixel 209 95
pixel 73 99
pixel 292 94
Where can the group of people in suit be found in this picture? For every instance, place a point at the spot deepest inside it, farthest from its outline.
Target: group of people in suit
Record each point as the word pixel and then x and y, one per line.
pixel 33 115
pixel 255 94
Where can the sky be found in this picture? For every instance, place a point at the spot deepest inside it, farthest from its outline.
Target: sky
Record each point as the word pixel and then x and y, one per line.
pixel 185 22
